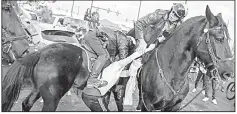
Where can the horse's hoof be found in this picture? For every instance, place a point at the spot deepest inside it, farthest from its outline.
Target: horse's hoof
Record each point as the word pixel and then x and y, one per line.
pixel 214 101
pixel 194 90
pixel 205 99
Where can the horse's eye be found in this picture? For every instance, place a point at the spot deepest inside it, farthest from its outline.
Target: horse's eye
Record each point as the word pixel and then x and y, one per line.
pixel 220 39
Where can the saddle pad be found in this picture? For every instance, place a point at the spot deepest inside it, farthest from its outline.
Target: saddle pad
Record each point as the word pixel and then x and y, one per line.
pixel 91 57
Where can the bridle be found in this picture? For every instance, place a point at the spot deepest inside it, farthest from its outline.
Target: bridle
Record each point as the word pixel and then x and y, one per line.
pixel 214 58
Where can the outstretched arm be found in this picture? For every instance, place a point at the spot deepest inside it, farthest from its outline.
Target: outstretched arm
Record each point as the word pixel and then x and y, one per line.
pixel 123 48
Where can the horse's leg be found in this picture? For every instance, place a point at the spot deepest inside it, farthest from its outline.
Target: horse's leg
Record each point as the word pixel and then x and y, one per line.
pixel 53 91
pixel 172 108
pixel 30 100
pixel 51 98
pixel 143 108
pixel 92 102
pixel 106 99
pixel 119 92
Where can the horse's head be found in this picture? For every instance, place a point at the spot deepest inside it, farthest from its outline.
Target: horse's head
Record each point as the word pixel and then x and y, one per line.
pixel 213 48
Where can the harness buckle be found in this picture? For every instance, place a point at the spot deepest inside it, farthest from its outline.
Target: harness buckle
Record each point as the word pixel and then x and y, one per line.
pixel 160 71
pixel 205 30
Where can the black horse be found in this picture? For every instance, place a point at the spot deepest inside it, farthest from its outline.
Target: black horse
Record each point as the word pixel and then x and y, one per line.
pixel 163 79
pixel 52 71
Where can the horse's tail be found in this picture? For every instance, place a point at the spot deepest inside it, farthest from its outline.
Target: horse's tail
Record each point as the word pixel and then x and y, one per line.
pixel 13 80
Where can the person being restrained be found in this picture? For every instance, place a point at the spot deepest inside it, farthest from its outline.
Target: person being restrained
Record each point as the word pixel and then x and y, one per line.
pixel 106 44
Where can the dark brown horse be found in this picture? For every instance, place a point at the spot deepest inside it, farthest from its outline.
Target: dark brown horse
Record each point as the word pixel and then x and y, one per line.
pixel 164 83
pixel 52 71
pixel 13 28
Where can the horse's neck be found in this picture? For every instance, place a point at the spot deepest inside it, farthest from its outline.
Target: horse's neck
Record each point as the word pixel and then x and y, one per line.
pixel 174 58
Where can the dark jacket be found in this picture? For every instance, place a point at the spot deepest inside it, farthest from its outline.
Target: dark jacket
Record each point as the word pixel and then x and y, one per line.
pixel 118 45
pixel 156 19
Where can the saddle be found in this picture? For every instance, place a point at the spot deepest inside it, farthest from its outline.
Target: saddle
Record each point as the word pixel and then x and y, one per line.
pixel 91 56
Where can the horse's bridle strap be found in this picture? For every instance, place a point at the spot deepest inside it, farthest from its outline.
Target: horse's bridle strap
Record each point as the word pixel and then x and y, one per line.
pixel 210 49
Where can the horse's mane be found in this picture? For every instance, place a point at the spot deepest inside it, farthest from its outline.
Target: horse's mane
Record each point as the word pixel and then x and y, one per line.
pixel 187 25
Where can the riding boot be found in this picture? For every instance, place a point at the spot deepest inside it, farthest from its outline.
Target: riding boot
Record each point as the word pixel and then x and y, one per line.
pixel 93 80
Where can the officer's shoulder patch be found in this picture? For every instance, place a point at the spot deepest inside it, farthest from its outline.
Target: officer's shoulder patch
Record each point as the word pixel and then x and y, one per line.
pixel 161 12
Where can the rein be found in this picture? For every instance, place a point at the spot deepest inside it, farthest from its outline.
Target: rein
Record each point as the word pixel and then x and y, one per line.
pixel 176 93
pixel 15 39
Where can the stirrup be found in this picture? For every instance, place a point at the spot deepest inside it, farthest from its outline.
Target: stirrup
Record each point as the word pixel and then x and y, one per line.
pixel 102 83
pixel 99 84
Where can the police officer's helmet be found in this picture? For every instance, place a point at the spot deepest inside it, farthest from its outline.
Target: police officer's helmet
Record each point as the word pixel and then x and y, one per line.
pixel 180 10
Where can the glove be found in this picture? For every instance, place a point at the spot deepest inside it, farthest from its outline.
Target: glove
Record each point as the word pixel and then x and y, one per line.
pixel 142 46
pixel 161 39
pixel 105 44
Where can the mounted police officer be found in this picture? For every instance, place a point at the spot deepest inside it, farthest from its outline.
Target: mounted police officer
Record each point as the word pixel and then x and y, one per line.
pixel 166 20
pixel 106 44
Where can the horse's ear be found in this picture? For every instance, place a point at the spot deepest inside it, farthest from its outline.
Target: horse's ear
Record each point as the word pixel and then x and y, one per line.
pixel 210 17
pixel 219 14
